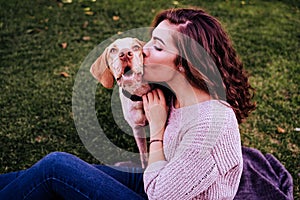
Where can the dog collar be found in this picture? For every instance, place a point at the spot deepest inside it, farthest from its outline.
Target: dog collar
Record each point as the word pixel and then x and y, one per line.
pixel 132 97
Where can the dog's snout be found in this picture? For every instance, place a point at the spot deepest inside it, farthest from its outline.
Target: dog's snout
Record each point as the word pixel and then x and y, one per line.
pixel 122 54
pixel 127 54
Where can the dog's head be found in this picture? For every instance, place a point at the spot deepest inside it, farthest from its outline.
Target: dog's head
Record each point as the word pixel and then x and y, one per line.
pixel 122 60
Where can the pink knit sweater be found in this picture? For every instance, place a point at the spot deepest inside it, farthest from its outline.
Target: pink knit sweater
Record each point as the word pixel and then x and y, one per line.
pixel 203 155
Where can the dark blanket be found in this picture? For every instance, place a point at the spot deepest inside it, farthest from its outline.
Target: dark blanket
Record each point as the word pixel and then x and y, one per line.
pixel 264 177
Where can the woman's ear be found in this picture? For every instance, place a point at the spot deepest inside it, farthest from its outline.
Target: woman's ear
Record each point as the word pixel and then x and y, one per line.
pixel 101 72
pixel 181 69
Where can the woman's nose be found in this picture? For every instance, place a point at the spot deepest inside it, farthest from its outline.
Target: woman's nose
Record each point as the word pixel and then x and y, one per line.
pixel 145 54
pixel 146 50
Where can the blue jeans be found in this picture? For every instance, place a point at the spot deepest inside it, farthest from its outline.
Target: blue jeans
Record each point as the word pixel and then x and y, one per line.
pixel 64 176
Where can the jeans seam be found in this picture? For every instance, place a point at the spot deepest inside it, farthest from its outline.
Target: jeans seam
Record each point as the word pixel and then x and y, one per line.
pixel 86 196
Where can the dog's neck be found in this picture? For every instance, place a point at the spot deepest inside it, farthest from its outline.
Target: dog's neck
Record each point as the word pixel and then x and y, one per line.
pixel 132 97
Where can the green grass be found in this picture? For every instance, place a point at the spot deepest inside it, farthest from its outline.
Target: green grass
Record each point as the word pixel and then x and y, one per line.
pixel 36 101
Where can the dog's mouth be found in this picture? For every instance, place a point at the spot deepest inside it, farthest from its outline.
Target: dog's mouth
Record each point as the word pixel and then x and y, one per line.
pixel 128 71
pixel 129 75
pixel 131 81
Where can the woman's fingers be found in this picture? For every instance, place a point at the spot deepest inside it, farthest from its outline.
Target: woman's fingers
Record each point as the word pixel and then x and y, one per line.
pixel 150 97
pixel 154 97
pixel 161 96
pixel 155 110
pixel 145 100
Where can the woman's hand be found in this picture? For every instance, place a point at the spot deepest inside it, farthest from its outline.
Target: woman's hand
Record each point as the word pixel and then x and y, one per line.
pixel 156 112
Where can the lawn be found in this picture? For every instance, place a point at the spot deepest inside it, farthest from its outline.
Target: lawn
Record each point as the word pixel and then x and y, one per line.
pixel 44 44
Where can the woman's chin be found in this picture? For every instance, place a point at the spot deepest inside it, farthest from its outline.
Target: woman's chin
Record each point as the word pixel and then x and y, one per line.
pixel 145 77
pixel 151 77
pixel 148 79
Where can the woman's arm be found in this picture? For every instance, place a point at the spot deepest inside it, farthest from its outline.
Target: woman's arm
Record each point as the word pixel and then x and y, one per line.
pixel 156 113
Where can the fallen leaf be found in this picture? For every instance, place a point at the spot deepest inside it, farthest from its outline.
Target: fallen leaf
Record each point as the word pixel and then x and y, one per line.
pixel 175 2
pixel 119 32
pixel 86 38
pixel 64 45
pixel 29 31
pixel 85 24
pixel 280 130
pixel 89 13
pixel 64 74
pixel 40 139
pixel 60 5
pixel 116 18
pixel 33 31
pixel 66 1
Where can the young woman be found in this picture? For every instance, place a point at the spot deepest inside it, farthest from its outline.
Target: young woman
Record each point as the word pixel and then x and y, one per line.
pixel 195 147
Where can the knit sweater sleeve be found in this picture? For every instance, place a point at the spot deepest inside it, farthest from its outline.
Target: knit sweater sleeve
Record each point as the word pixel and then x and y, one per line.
pixel 193 168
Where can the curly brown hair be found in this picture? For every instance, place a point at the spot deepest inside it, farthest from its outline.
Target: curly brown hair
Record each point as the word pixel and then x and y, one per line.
pixel 197 25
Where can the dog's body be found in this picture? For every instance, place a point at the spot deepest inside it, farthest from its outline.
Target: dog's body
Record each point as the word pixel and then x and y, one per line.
pixel 123 61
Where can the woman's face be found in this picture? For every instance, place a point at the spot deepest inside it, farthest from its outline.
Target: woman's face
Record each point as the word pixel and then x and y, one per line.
pixel 160 53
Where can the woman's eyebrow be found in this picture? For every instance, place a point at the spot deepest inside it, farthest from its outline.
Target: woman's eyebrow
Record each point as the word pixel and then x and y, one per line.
pixel 156 38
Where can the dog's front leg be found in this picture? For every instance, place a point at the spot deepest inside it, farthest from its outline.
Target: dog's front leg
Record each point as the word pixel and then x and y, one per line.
pixel 134 115
pixel 141 141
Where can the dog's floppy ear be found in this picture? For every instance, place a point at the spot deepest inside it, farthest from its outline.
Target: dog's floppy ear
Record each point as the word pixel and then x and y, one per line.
pixel 101 72
pixel 142 43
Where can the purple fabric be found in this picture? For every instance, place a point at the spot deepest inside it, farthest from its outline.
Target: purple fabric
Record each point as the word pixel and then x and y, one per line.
pixel 264 177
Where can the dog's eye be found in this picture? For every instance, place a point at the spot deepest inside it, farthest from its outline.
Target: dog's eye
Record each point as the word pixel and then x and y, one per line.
pixel 113 50
pixel 136 48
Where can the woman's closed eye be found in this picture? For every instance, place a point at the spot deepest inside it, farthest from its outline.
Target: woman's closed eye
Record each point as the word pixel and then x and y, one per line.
pixel 158 48
pixel 158 44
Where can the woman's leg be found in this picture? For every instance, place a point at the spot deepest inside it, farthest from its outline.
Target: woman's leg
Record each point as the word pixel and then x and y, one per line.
pixel 62 175
pixel 7 178
pixel 132 177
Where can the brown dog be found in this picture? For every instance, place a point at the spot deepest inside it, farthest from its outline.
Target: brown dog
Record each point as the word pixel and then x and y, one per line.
pixel 122 61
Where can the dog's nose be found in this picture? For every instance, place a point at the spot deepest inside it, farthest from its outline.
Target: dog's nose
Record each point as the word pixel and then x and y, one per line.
pixel 126 54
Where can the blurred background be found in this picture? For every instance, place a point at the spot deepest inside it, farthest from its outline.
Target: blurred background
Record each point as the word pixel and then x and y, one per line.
pixel 44 43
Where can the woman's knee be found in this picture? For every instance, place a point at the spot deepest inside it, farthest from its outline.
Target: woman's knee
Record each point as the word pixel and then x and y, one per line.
pixel 58 156
pixel 56 160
